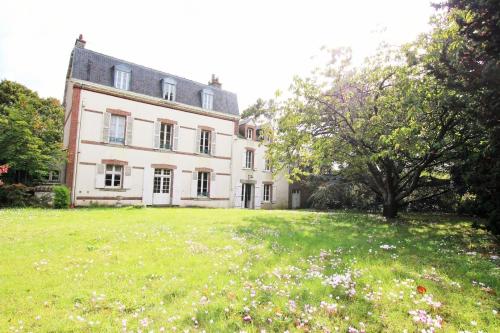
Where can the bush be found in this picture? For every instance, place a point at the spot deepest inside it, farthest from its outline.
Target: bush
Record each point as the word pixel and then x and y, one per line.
pixel 16 195
pixel 61 197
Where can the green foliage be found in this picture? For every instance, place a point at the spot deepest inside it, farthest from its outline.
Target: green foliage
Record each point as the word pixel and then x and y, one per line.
pixel 464 54
pixel 16 195
pixel 61 197
pixel 30 132
pixel 382 125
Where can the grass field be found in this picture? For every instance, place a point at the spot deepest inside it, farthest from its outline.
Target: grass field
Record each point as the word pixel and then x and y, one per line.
pixel 155 270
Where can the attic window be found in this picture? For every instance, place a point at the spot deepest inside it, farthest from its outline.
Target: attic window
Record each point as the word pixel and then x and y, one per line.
pixel 207 99
pixel 122 77
pixel 168 89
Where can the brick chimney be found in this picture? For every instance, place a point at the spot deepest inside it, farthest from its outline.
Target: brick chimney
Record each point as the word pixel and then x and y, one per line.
pixel 215 82
pixel 80 43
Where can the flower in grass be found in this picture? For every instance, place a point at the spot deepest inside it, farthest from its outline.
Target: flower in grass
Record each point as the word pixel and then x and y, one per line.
pixel 421 289
pixel 247 318
pixel 387 247
pixel 292 306
pixel 421 316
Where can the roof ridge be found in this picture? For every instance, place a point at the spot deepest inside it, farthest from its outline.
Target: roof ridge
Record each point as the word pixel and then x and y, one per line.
pixel 152 69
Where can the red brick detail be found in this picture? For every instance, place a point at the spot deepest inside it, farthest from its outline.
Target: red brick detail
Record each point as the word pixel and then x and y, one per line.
pixel 118 112
pixel 204 169
pixel 114 162
pixel 73 135
pixel 236 127
pixel 167 121
pixel 206 128
pixel 164 166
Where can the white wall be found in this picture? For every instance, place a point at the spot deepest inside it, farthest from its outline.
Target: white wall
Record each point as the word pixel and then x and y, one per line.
pixel 140 154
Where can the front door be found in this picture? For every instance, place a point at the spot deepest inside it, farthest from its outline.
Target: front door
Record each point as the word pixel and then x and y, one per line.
pixel 247 195
pixel 161 186
pixel 295 199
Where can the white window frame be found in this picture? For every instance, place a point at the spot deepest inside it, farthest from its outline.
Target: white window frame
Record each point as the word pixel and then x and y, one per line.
pixel 205 142
pixel 207 99
pixel 122 77
pixel 267 165
pixel 114 129
pixel 166 136
pixel 249 157
pixel 267 193
pixel 249 133
pixel 115 171
pixel 169 89
pixel 203 183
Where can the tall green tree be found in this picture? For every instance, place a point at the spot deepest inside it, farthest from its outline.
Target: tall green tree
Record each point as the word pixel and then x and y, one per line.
pixel 31 130
pixel 385 124
pixel 464 54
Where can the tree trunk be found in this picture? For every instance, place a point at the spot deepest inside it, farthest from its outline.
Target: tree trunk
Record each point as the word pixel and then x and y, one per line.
pixel 390 209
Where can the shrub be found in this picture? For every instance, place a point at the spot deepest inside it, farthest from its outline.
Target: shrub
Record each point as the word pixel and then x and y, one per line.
pixel 16 195
pixel 61 197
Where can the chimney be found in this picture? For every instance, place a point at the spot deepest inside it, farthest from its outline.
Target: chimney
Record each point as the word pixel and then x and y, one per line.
pixel 215 82
pixel 80 43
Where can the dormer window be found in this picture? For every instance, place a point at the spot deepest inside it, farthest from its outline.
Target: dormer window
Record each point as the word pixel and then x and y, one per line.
pixel 250 133
pixel 168 88
pixel 207 99
pixel 122 77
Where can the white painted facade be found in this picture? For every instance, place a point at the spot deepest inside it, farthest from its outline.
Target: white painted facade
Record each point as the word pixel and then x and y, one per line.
pixel 139 156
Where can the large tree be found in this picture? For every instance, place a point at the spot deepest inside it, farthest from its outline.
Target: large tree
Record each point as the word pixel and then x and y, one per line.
pixel 30 132
pixel 464 54
pixel 386 124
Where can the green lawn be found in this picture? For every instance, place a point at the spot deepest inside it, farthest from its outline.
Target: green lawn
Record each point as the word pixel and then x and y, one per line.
pixel 154 270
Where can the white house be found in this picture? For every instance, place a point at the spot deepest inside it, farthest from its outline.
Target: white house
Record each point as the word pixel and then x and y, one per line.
pixel 135 135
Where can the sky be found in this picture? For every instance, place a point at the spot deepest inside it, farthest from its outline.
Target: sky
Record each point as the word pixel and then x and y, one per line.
pixel 254 47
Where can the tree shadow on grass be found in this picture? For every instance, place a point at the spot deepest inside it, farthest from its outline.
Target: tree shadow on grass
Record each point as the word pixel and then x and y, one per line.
pixel 422 241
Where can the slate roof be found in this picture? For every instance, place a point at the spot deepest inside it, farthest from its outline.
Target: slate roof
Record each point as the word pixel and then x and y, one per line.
pixel 98 68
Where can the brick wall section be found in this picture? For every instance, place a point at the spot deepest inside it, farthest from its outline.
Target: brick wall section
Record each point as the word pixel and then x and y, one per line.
pixel 73 135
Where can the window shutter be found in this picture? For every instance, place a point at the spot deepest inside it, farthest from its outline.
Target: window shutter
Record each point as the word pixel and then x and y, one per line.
pixel 127 177
pixel 213 136
pixel 273 194
pixel 197 141
pixel 212 185
pixel 258 197
pixel 156 135
pixel 244 160
pixel 105 127
pixel 99 175
pixel 176 138
pixel 129 129
pixel 237 196
pixel 194 185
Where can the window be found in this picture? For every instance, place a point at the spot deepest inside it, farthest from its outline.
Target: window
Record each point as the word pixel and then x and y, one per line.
pixel 113 177
pixel 122 77
pixel 205 142
pixel 202 189
pixel 169 89
pixel 267 166
pixel 117 129
pixel 249 159
pixel 207 99
pixel 249 133
pixel 166 133
pixel 53 176
pixel 161 181
pixel 267 192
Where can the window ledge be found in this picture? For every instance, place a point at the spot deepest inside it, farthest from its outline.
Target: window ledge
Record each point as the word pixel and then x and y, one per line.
pixel 113 189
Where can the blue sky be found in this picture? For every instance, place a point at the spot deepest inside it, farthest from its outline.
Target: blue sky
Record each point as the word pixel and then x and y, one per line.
pixel 255 47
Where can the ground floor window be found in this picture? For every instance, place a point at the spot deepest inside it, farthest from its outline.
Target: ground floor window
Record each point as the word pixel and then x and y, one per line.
pixel 267 192
pixel 161 181
pixel 114 175
pixel 202 189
